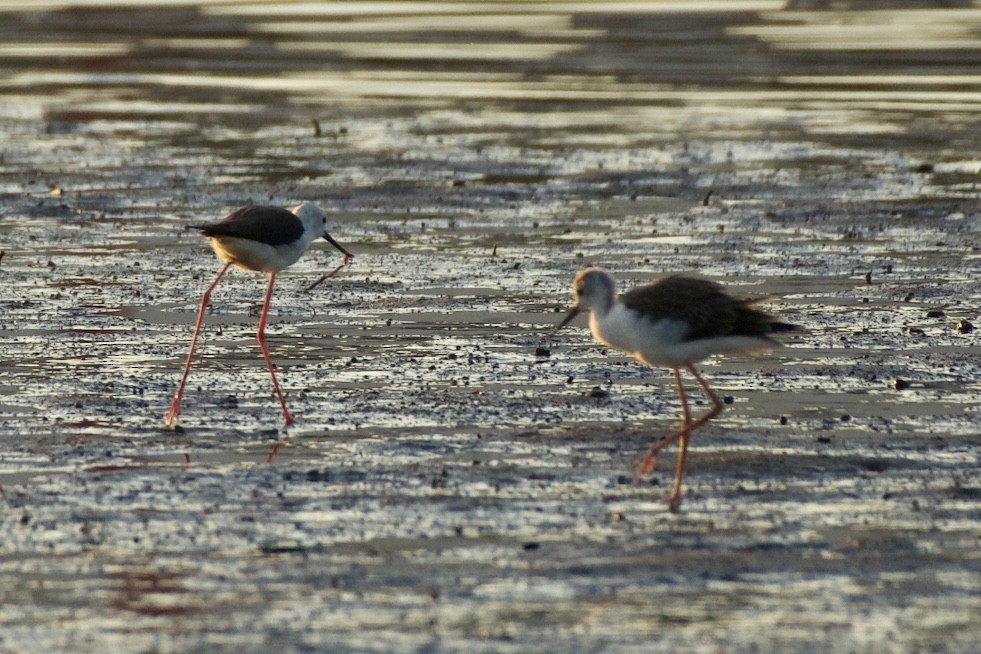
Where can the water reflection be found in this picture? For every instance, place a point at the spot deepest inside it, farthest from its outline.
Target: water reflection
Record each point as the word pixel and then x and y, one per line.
pixel 892 30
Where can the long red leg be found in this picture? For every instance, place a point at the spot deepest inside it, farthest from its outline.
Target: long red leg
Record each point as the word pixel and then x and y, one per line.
pixel 175 406
pixel 261 337
pixel 688 426
pixel 716 402
pixel 649 462
pixel 674 500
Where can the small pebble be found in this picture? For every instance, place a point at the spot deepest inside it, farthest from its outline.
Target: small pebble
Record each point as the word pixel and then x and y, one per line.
pixel 900 384
pixel 874 465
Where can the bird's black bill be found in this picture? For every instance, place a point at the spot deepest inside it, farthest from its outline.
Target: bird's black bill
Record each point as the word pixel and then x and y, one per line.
pixel 347 259
pixel 573 312
pixel 330 239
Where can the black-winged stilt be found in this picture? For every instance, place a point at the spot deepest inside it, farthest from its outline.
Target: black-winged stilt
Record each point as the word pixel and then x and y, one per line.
pixel 263 239
pixel 673 322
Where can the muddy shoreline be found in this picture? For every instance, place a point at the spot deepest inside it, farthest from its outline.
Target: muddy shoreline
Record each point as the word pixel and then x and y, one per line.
pixel 445 489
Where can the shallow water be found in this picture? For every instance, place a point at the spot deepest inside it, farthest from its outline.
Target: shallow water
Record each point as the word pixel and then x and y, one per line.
pixel 444 488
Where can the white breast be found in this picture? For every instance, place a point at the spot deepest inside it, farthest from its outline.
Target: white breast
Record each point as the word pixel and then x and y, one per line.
pixel 629 332
pixel 253 255
pixel 661 342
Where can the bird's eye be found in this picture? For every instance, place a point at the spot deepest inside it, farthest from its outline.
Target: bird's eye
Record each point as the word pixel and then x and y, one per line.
pixel 579 291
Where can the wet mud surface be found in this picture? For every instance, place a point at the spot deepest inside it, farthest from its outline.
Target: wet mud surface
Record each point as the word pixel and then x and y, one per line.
pixel 459 478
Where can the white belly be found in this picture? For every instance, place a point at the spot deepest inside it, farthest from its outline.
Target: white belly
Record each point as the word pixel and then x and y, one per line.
pixel 253 255
pixel 661 342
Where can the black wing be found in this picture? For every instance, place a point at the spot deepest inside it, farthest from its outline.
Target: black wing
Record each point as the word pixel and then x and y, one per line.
pixel 709 311
pixel 269 225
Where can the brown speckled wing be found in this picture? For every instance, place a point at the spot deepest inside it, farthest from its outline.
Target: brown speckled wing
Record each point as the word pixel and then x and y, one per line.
pixel 269 225
pixel 701 303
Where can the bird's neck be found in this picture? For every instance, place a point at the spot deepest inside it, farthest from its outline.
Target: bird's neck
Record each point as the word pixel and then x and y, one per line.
pixel 604 305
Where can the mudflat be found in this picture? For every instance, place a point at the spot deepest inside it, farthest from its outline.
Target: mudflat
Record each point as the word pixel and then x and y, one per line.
pixel 460 476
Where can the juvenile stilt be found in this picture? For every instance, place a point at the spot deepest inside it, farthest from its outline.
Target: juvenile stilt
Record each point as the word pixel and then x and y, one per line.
pixel 674 322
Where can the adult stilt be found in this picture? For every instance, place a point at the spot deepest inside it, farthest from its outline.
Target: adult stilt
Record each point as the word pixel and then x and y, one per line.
pixel 263 239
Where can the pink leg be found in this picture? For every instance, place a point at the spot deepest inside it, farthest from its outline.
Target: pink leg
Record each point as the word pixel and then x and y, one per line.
pixel 687 427
pixel 674 500
pixel 272 452
pixel 716 402
pixel 649 462
pixel 261 337
pixel 175 406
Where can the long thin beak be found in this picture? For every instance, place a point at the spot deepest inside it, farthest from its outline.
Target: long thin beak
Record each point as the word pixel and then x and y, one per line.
pixel 330 239
pixel 573 312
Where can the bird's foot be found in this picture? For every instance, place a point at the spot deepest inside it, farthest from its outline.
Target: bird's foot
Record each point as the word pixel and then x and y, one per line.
pixel 646 466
